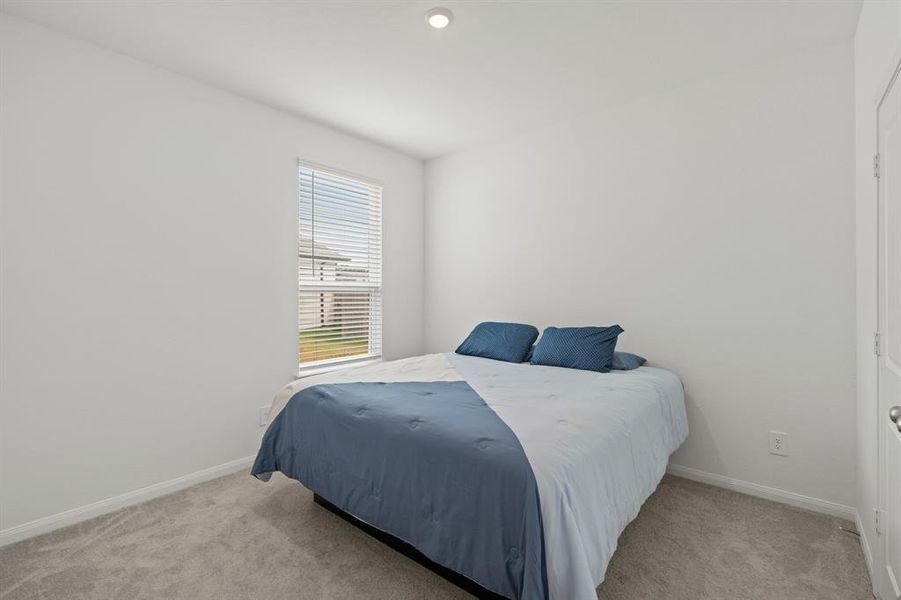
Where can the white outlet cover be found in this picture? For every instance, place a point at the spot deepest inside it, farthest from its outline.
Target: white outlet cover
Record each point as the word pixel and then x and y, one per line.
pixel 779 443
pixel 264 416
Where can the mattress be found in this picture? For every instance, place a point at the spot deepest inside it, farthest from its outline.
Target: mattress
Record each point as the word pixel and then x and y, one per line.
pixel 597 444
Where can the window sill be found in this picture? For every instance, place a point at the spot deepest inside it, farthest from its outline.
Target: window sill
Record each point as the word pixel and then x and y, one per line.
pixel 309 371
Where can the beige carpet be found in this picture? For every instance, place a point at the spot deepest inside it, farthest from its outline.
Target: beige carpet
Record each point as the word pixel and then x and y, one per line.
pixel 236 537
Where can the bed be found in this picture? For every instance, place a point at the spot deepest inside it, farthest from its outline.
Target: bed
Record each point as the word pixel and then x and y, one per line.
pixel 519 478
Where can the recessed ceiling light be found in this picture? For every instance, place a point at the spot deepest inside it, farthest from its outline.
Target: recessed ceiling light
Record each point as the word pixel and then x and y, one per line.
pixel 439 18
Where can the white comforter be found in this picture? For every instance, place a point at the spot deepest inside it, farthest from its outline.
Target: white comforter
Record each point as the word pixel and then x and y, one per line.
pixel 598 444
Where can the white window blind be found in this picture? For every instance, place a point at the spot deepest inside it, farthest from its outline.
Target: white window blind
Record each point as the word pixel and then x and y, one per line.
pixel 339 268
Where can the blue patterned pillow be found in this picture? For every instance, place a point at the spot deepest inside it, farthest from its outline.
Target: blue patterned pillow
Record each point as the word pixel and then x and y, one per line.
pixel 528 356
pixel 501 341
pixel 626 361
pixel 587 348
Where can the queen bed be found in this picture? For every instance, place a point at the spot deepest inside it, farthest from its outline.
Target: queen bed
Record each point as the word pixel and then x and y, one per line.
pixel 517 477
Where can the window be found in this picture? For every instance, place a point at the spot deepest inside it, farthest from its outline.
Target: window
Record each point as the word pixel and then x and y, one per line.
pixel 339 268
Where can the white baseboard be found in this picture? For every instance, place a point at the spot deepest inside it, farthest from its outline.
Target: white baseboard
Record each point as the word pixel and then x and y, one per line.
pixel 89 511
pixel 95 509
pixel 769 493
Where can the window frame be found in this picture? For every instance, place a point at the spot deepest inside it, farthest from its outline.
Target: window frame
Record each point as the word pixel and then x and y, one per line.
pixel 323 366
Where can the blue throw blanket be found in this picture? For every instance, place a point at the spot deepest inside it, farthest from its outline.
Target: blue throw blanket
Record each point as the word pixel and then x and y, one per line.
pixel 429 463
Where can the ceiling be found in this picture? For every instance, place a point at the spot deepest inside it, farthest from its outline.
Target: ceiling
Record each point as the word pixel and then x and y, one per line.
pixel 373 68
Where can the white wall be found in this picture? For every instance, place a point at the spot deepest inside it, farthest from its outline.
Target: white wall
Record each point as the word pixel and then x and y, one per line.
pixel 149 269
pixel 877 48
pixel 714 223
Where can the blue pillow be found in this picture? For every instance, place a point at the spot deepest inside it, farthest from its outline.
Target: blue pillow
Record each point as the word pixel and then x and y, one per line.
pixel 587 348
pixel 501 341
pixel 626 361
pixel 528 356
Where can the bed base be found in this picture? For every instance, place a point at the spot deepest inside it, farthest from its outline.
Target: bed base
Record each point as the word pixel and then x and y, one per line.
pixel 411 552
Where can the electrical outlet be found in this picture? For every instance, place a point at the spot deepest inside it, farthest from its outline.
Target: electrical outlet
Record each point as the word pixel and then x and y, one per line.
pixel 264 416
pixel 779 443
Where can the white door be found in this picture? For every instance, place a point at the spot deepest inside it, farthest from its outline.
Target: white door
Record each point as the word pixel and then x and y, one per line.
pixel 889 314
